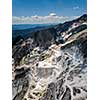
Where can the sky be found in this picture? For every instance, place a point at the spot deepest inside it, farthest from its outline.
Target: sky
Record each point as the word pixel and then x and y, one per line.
pixel 46 11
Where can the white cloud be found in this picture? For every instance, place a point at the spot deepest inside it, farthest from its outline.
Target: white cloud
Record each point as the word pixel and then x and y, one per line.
pixel 76 7
pixel 74 17
pixel 51 18
pixel 52 14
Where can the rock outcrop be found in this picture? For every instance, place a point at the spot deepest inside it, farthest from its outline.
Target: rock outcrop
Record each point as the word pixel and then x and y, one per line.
pixel 47 69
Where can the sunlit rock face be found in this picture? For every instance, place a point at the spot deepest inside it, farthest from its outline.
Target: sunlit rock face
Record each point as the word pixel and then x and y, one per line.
pixel 56 73
pixel 70 83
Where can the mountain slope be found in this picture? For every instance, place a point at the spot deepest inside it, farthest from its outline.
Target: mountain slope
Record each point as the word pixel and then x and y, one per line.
pixel 52 63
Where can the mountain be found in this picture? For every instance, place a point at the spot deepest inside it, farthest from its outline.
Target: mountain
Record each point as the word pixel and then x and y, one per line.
pixel 51 63
pixel 24 30
pixel 29 26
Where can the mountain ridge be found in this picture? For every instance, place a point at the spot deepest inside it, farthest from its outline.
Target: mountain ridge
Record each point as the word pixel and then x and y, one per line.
pixel 51 64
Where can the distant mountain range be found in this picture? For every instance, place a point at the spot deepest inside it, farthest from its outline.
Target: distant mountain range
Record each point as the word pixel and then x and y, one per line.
pixel 24 30
pixel 28 26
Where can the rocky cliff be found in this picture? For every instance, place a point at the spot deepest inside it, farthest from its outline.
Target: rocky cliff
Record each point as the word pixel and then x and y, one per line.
pixel 52 63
